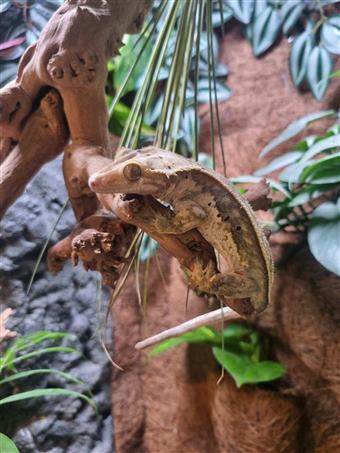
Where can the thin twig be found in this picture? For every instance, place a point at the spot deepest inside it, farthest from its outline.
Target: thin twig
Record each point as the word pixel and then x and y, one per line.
pixel 226 314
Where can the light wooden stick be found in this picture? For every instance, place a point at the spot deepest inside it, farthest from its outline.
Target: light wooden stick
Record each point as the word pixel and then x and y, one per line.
pixel 225 314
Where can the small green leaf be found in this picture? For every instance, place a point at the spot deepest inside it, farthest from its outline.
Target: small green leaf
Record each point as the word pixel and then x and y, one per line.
pixel 324 234
pixel 319 69
pixel 242 9
pixel 37 393
pixel 294 128
pixel 290 13
pixel 299 56
pixel 330 34
pixel 266 28
pixel 7 445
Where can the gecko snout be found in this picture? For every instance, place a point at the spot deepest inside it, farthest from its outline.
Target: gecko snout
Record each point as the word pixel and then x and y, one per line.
pixel 93 184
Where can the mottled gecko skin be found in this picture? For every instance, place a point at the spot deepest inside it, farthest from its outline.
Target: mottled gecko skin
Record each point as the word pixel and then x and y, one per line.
pixel 204 200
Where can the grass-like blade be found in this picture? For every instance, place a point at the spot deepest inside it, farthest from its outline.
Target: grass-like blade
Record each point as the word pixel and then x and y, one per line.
pixel 38 393
pixel 41 254
pixel 40 371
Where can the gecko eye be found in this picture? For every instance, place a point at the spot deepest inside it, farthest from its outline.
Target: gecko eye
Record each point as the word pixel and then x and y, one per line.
pixel 132 172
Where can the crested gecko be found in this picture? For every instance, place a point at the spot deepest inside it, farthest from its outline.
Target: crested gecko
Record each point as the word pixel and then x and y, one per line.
pixel 201 199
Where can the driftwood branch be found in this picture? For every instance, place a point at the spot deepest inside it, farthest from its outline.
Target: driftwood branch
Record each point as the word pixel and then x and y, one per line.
pixel 43 138
pixel 225 314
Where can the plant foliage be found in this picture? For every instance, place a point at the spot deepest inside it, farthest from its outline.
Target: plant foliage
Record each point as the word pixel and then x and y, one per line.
pixel 33 345
pixel 309 181
pixel 238 349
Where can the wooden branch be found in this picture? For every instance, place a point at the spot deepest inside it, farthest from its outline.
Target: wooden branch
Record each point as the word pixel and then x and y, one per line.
pixel 225 314
pixel 43 138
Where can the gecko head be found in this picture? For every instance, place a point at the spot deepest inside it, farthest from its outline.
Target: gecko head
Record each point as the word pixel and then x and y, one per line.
pixel 140 174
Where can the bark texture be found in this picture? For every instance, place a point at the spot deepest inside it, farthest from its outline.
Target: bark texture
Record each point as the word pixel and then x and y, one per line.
pixel 69 63
pixel 172 404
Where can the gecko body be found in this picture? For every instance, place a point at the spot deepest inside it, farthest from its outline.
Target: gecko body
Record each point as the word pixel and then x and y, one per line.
pixel 200 199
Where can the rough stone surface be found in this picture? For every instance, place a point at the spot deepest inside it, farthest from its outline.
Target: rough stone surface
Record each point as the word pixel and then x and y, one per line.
pixel 66 302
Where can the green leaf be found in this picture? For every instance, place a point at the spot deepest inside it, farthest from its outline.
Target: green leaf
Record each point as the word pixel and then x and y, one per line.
pixel 242 9
pixel 200 335
pixel 290 13
pixel 309 193
pixel 266 27
pixel 314 170
pixel 244 371
pixel 40 371
pixel 223 92
pixel 129 53
pixel 319 69
pixel 7 445
pixel 294 128
pixel 292 173
pixel 44 351
pixel 321 146
pixel 299 56
pixel 279 162
pixel 37 393
pixel 330 34
pixel 324 234
pixel 237 330
pixel 265 371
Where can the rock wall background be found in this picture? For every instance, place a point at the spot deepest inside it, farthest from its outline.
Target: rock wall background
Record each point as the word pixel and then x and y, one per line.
pixel 65 302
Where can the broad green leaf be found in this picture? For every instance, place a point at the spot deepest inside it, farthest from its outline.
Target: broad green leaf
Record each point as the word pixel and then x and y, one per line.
pixel 37 393
pixel 324 234
pixel 266 28
pixel 242 9
pixel 6 444
pixel 294 128
pixel 321 146
pixel 319 69
pixel 245 371
pixel 40 371
pixel 299 56
pixel 235 364
pixel 330 34
pixel 290 13
pixel 279 162
pixel 265 371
